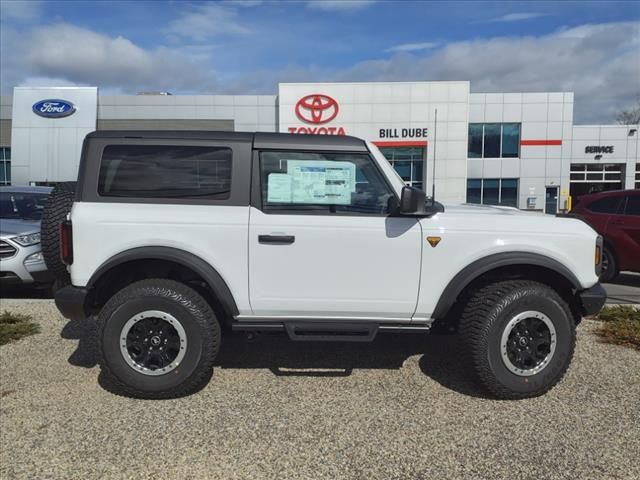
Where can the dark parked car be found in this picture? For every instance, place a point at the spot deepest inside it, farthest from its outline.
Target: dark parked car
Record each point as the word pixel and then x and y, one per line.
pixel 616 216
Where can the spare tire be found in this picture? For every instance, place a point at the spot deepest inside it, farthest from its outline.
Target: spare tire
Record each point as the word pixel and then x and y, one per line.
pixel 55 212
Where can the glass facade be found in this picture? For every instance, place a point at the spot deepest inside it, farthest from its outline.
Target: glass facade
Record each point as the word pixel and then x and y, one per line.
pixel 408 162
pixel 493 191
pixel 494 140
pixel 5 165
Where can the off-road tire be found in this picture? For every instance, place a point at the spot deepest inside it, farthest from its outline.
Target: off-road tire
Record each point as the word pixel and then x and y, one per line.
pixel 611 271
pixel 56 208
pixel 192 311
pixel 486 315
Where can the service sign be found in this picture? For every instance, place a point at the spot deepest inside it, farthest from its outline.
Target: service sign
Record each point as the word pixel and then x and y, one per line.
pixel 53 108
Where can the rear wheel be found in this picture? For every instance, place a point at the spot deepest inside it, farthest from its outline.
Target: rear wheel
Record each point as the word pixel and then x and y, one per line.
pixel 158 339
pixel 609 265
pixel 55 212
pixel 519 336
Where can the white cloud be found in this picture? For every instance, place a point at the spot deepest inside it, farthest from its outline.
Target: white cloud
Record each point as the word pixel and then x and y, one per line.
pixel 22 10
pixel 68 53
pixel 600 63
pixel 339 5
pixel 203 21
pixel 243 3
pixel 517 17
pixel 412 47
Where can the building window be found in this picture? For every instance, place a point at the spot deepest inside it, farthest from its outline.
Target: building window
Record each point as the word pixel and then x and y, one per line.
pixel 474 190
pixel 494 140
pixel 475 140
pixel 408 162
pixel 493 191
pixel 509 192
pixel 5 165
pixel 510 140
pixel 596 172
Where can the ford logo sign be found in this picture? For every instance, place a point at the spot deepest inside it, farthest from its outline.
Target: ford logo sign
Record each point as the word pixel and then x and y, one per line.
pixel 53 108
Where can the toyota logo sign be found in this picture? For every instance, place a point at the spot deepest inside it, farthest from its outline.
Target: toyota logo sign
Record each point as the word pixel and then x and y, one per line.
pixel 317 108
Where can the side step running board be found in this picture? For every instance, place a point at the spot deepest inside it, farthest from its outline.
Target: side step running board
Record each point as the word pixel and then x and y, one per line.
pixel 330 331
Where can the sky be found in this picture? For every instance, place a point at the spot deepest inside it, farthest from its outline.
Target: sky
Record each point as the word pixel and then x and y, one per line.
pixel 249 46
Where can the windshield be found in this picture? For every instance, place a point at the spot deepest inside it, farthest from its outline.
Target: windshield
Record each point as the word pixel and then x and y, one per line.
pixel 22 206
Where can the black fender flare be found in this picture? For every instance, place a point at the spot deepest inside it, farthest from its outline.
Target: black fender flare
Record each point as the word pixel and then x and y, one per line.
pixel 202 268
pixel 472 271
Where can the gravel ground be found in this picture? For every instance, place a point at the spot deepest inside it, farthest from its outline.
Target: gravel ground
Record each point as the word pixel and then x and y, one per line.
pixel 400 408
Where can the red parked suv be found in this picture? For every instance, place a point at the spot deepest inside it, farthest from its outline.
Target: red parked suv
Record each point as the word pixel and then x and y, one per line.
pixel 616 216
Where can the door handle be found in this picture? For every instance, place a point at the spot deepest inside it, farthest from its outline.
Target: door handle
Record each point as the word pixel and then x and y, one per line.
pixel 617 222
pixel 277 239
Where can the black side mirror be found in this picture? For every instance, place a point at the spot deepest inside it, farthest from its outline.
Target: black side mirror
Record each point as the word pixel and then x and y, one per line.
pixel 413 201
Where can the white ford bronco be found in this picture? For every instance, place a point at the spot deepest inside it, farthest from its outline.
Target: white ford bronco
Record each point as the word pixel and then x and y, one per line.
pixel 169 236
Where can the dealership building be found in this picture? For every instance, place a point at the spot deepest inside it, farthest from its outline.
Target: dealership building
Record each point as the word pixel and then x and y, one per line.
pixel 516 149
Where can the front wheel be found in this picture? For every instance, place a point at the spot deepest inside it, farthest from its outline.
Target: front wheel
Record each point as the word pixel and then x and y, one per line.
pixel 158 339
pixel 519 336
pixel 609 266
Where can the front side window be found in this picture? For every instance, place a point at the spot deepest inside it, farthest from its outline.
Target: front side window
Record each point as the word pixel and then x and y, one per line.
pixel 165 171
pixel 330 183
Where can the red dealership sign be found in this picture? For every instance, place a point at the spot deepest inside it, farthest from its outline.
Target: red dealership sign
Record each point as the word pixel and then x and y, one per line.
pixel 317 109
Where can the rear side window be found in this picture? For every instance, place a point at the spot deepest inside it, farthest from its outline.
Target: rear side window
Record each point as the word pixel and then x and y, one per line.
pixel 165 171
pixel 633 205
pixel 605 205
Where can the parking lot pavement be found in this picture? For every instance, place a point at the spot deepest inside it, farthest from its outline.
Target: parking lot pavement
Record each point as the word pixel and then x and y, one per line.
pixel 402 407
pixel 624 289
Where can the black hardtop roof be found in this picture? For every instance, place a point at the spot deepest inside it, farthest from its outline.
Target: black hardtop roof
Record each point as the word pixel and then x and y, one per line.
pixel 260 140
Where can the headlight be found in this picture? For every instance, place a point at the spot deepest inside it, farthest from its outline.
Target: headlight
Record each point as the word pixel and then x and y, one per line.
pixel 27 240
pixel 34 258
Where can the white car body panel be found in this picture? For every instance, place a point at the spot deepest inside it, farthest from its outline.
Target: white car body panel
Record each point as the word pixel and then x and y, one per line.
pixel 216 234
pixel 347 267
pixel 469 233
pixel 339 266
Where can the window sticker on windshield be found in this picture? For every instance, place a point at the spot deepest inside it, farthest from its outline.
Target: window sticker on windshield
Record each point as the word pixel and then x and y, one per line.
pixel 322 182
pixel 279 188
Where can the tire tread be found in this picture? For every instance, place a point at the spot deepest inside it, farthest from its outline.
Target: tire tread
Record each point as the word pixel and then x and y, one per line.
pixel 188 299
pixel 475 325
pixel 56 208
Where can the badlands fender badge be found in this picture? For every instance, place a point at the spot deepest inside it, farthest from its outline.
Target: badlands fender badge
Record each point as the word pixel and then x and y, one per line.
pixel 434 241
